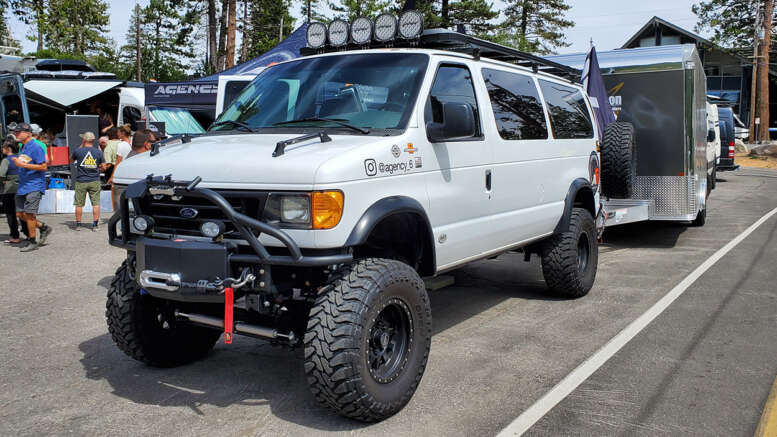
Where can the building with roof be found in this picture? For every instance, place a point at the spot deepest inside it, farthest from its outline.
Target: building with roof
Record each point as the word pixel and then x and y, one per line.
pixel 729 76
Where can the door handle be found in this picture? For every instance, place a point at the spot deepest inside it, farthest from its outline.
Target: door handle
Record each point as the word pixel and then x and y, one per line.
pixel 488 180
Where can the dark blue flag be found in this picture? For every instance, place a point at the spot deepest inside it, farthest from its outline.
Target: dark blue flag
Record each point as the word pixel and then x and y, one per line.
pixel 594 85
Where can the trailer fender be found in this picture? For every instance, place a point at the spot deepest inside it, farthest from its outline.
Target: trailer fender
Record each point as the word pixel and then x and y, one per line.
pixel 580 194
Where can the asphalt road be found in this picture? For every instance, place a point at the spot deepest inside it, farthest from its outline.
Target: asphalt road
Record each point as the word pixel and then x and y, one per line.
pixel 704 367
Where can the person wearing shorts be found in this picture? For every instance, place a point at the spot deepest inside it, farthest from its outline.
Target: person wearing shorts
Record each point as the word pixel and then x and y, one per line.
pixel 32 184
pixel 89 161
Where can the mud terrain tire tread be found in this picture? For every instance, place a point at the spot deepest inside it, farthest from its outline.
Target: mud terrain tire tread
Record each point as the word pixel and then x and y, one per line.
pixel 132 330
pixel 619 161
pixel 335 341
pixel 560 257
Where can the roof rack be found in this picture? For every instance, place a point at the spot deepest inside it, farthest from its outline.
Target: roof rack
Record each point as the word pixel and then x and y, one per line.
pixel 444 39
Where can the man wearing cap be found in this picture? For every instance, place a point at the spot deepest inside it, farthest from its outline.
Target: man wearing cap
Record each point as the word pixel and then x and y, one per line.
pixel 89 161
pixel 32 185
pixel 36 131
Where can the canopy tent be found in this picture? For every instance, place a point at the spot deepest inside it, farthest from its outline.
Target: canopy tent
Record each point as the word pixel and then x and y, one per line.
pixel 65 93
pixel 201 93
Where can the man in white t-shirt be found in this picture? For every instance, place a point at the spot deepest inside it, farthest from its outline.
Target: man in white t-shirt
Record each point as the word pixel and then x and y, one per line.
pixel 124 147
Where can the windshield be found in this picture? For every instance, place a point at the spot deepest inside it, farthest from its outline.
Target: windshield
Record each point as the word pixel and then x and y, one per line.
pixel 177 121
pixel 372 91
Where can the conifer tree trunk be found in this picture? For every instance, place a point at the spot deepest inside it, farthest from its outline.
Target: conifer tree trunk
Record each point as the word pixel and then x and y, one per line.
pixel 763 73
pixel 212 35
pixel 231 33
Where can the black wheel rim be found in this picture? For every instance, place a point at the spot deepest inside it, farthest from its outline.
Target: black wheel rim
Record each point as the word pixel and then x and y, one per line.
pixel 389 342
pixel 583 252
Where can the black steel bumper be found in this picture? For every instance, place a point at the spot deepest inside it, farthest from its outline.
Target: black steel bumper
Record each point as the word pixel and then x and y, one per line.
pixel 245 225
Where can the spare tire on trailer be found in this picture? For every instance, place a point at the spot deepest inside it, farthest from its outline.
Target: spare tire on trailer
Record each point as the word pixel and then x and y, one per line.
pixel 619 160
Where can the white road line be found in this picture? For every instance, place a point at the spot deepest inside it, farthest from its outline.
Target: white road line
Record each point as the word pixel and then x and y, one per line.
pixel 533 414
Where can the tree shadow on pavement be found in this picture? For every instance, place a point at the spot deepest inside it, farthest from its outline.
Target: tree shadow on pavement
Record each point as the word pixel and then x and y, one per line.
pixel 251 372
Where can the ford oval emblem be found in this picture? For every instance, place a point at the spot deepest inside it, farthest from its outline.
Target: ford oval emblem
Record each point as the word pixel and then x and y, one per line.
pixel 189 213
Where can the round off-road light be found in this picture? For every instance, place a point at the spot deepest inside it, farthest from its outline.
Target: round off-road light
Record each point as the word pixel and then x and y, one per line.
pixel 385 27
pixel 143 224
pixel 361 30
pixel 411 24
pixel 338 33
pixel 316 35
pixel 211 229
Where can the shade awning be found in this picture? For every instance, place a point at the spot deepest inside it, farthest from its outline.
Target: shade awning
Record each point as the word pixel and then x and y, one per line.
pixel 67 92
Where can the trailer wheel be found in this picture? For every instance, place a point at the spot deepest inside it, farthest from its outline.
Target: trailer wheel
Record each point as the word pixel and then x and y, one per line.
pixel 368 339
pixel 619 160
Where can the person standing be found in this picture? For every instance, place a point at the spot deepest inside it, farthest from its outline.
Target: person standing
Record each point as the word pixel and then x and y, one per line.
pixel 109 148
pixel 9 181
pixel 32 184
pixel 89 161
pixel 105 120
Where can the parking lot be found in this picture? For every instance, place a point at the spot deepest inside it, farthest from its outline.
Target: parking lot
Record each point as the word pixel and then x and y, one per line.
pixel 703 367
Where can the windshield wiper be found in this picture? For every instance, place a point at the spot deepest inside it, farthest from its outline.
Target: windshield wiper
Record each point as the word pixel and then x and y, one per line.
pixel 234 123
pixel 337 121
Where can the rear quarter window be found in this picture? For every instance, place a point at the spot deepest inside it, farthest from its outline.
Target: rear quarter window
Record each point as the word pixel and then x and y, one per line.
pixel 569 116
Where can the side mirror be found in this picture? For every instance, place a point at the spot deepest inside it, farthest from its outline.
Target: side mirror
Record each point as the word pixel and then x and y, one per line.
pixel 711 135
pixel 458 121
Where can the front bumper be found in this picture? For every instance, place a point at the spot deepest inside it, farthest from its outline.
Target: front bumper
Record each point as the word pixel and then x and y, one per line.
pixel 198 262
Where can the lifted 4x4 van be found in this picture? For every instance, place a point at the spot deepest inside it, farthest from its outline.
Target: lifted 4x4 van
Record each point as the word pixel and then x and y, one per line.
pixel 319 199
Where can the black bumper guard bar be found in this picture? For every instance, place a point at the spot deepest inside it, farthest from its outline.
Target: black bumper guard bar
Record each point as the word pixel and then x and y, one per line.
pixel 243 223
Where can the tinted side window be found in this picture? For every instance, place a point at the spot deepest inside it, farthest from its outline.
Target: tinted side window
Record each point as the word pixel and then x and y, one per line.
pixel 569 116
pixel 516 104
pixel 453 83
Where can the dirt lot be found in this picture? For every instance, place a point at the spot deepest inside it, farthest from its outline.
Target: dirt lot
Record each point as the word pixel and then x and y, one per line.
pixel 746 160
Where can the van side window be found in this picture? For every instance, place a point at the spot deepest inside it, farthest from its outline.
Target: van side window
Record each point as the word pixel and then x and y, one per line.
pixel 453 83
pixel 517 107
pixel 569 115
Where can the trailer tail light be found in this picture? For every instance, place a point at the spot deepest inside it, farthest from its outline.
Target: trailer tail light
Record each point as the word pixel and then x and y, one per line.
pixel 731 149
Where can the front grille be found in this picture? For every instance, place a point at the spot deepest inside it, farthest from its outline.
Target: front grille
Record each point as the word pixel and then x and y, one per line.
pixel 168 219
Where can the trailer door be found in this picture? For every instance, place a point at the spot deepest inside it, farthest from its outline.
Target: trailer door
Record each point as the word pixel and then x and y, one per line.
pixel 13 104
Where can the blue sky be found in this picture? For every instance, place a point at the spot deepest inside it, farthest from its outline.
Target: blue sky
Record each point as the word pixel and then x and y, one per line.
pixel 608 22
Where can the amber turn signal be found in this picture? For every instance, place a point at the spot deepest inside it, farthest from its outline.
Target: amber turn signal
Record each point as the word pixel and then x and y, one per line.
pixel 327 209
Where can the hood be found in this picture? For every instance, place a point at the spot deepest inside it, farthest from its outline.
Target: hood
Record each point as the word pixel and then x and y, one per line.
pixel 243 160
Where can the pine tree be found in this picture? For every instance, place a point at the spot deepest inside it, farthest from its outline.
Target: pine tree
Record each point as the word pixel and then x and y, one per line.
pixel 732 22
pixel 535 26
pixel 349 10
pixel 311 10
pixel 32 13
pixel 264 25
pixel 476 15
pixel 6 39
pixel 167 41
pixel 77 27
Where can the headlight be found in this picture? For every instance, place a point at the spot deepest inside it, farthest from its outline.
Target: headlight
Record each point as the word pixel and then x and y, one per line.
pixel 316 210
pixel 295 209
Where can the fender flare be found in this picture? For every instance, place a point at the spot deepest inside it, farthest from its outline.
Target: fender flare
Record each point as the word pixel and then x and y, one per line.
pixel 578 185
pixel 387 207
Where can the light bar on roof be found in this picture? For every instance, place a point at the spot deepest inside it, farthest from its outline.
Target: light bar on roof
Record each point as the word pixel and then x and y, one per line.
pixel 411 24
pixel 385 27
pixel 316 35
pixel 338 33
pixel 361 30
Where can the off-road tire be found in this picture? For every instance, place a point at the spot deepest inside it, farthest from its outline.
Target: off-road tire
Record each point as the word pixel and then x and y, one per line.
pixel 561 257
pixel 136 330
pixel 337 341
pixel 619 160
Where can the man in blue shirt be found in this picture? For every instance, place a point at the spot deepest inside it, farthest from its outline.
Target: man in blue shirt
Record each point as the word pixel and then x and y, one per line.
pixel 32 185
